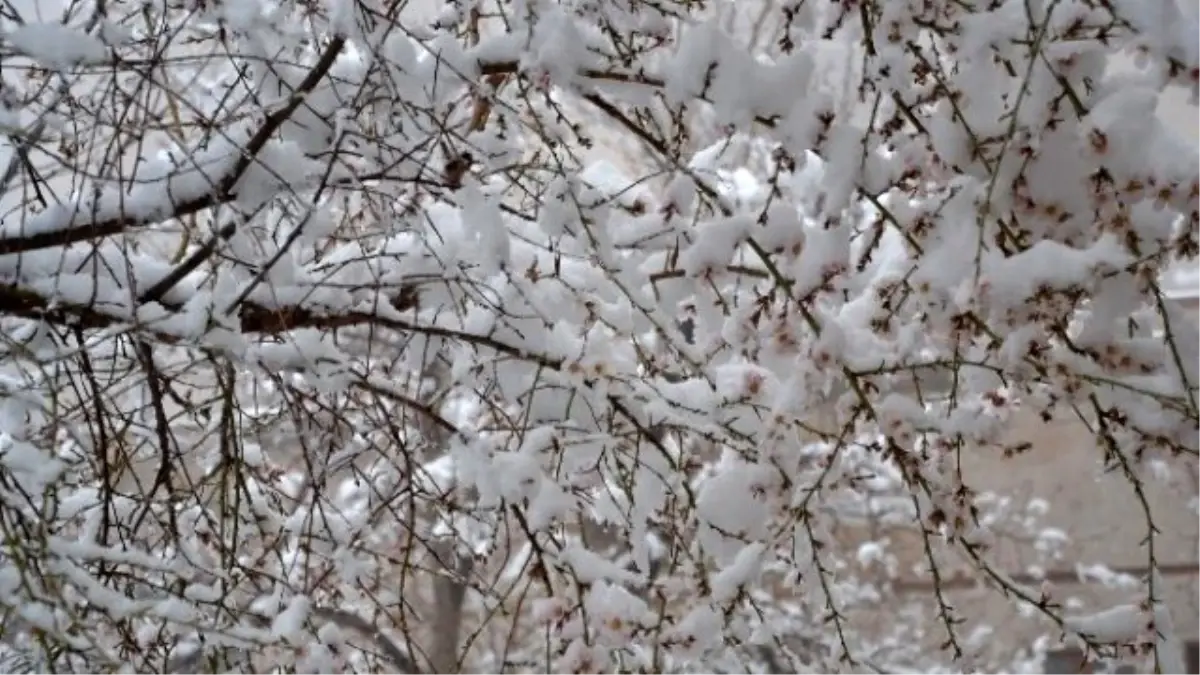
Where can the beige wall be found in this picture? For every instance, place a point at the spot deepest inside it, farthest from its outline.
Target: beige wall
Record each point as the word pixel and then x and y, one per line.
pixel 1100 511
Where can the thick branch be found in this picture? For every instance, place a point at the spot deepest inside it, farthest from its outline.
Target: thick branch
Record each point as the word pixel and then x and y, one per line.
pixel 219 193
pixel 15 301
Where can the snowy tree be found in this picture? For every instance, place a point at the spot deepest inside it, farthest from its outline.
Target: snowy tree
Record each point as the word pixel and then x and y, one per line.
pixel 573 335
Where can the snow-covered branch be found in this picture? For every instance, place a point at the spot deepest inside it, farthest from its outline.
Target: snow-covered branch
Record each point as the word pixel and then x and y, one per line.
pixel 571 336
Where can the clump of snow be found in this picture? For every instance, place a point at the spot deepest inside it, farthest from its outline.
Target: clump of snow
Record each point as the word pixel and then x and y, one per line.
pixel 55 45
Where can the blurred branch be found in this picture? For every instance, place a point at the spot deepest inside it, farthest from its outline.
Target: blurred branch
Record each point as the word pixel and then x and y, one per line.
pixel 450 582
pixel 346 619
pixel 449 593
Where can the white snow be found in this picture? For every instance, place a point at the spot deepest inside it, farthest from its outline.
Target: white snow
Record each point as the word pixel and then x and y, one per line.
pixel 55 45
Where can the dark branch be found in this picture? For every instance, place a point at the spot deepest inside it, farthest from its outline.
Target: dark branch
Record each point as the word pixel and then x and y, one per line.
pixel 15 301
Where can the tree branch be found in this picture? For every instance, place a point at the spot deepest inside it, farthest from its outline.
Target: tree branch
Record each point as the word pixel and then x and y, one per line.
pixel 72 232
pixel 220 193
pixel 20 302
